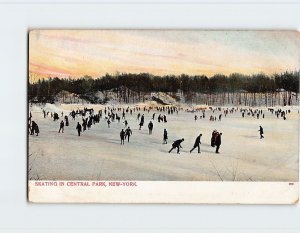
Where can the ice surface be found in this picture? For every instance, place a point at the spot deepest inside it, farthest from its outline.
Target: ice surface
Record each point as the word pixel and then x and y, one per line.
pixel 98 154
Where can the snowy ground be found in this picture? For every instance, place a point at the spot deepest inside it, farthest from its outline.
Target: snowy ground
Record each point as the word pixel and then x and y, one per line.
pixel 98 155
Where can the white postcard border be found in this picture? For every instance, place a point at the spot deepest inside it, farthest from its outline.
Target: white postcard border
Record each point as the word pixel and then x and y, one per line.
pixel 202 192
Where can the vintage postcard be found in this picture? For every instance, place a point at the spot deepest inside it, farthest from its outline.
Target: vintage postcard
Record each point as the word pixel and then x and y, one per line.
pixel 163 116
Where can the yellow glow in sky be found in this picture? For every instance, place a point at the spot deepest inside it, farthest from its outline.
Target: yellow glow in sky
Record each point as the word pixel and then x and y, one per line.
pixel 75 53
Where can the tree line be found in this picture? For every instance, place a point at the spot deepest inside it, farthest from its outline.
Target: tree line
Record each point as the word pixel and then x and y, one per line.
pixel 44 90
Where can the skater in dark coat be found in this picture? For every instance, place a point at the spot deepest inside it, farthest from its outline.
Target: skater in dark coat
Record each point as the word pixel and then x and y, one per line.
pixel 73 114
pixel 33 126
pixel 78 127
pixel 197 143
pixel 37 130
pixel 142 118
pixel 165 118
pixel 128 133
pixel 150 127
pixel 218 142
pixel 213 137
pixel 261 132
pixel 84 124
pixel 61 126
pixel 142 121
pixel 55 116
pixel 153 116
pixel 108 123
pixel 159 118
pixel 122 136
pixel 141 124
pixel 165 138
pixel 89 123
pixel 67 120
pixel 177 144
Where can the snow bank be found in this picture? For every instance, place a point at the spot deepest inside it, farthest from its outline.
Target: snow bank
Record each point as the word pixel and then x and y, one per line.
pixel 165 98
pixel 100 95
pixel 52 108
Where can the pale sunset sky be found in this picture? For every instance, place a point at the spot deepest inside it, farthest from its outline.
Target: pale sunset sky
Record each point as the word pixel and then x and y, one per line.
pixel 75 53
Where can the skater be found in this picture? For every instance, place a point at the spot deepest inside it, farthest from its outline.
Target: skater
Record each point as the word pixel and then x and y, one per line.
pixel 150 127
pixel 153 116
pixel 55 116
pixel 84 124
pixel 128 133
pixel 141 122
pixel 108 123
pixel 37 130
pixel 89 123
pixel 197 143
pixel 73 114
pixel 177 144
pixel 142 118
pixel 67 120
pixel 165 138
pixel 33 126
pixel 61 126
pixel 213 136
pixel 122 136
pixel 218 142
pixel 261 132
pixel 165 119
pixel 78 127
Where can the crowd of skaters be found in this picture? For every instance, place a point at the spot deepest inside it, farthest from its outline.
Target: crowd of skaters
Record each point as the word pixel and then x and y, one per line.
pixel 111 114
pixel 218 112
pixel 89 117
